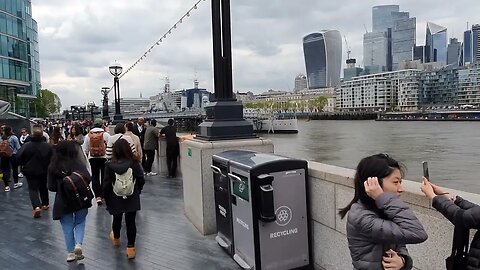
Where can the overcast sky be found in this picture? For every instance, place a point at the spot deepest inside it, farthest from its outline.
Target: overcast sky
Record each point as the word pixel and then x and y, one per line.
pixel 79 39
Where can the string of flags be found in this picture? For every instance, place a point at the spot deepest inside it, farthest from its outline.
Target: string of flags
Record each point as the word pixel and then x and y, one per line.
pixel 160 40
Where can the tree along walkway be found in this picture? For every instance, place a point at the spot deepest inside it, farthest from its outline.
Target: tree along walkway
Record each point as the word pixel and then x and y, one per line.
pixel 165 238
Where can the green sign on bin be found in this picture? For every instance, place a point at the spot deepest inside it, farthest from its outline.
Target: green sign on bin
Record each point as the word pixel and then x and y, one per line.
pixel 189 152
pixel 240 188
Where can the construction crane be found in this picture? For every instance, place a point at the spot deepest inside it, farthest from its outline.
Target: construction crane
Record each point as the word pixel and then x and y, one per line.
pixel 364 26
pixel 348 47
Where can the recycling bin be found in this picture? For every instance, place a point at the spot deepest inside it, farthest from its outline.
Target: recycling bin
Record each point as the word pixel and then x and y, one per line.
pixel 269 211
pixel 223 204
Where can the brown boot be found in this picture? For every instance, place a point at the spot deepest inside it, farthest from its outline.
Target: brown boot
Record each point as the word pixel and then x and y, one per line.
pixel 115 241
pixel 131 253
pixel 37 212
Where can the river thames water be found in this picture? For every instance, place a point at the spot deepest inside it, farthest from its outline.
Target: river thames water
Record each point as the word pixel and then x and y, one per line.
pixel 452 149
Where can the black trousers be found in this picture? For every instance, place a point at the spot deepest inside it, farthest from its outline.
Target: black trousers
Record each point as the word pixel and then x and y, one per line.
pixel 172 158
pixel 6 170
pixel 149 162
pixel 98 166
pixel 130 224
pixel 144 160
pixel 14 165
pixel 37 185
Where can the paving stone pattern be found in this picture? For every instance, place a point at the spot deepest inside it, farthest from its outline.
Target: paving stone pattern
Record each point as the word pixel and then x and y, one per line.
pixel 165 238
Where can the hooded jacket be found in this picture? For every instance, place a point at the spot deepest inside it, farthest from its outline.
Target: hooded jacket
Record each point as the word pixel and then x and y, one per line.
pixel 115 204
pixel 370 235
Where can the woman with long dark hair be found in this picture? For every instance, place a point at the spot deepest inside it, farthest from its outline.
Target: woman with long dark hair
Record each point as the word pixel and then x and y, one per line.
pixel 76 134
pixel 56 136
pixel 68 159
pixel 123 166
pixel 379 223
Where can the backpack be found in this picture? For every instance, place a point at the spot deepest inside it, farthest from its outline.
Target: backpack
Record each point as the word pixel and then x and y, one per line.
pixel 461 238
pixel 124 184
pixel 5 149
pixel 97 147
pixel 77 192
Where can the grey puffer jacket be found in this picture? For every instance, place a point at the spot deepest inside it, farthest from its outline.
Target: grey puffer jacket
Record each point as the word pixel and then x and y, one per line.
pixel 465 214
pixel 370 236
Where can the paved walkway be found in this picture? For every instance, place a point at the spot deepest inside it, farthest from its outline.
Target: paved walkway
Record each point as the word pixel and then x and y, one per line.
pixel 165 238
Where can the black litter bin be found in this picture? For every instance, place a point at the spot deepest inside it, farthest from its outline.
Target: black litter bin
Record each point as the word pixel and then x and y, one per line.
pixel 223 204
pixel 269 209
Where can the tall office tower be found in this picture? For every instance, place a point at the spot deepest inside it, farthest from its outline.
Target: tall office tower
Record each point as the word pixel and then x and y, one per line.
pixel 437 40
pixel 400 31
pixel 323 58
pixel 300 83
pixel 467 47
pixel 403 38
pixel 382 17
pixel 375 50
pixel 454 52
pixel 476 42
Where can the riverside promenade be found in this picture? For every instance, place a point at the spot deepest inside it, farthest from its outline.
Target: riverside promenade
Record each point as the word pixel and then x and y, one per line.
pixel 165 238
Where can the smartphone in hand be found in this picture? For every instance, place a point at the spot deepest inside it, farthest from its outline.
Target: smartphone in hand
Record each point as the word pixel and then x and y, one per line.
pixel 425 170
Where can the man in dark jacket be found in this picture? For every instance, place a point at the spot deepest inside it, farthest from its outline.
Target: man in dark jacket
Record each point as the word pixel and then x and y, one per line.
pixel 35 156
pixel 173 148
pixel 139 129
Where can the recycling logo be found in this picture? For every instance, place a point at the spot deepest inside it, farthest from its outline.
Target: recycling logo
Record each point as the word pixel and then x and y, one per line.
pixel 284 215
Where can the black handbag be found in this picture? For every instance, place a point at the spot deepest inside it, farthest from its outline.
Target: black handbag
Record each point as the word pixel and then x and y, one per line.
pixel 458 259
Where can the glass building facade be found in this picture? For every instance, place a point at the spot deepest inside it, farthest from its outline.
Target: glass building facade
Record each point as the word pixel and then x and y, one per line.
pixel 375 50
pixel 467 46
pixel 437 40
pixel 476 42
pixel 454 52
pixel 403 38
pixel 19 56
pixel 400 31
pixel 323 58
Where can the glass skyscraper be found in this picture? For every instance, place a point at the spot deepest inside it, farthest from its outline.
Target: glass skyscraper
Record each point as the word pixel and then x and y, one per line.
pixel 403 38
pixel 323 58
pixel 454 52
pixel 19 57
pixel 375 50
pixel 476 42
pixel 437 40
pixel 400 31
pixel 467 46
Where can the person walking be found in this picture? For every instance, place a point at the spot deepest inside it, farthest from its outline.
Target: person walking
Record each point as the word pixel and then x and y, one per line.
pixel 56 136
pixel 124 171
pixel 119 131
pixel 139 129
pixel 150 145
pixel 66 161
pixel 76 134
pixel 136 140
pixel 9 164
pixel 94 147
pixel 24 138
pixel 379 223
pixel 35 157
pixel 173 148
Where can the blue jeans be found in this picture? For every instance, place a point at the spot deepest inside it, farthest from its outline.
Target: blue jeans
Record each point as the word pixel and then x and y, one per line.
pixel 73 226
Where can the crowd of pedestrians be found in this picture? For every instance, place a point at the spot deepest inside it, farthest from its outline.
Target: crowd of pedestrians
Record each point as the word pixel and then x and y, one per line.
pixel 80 164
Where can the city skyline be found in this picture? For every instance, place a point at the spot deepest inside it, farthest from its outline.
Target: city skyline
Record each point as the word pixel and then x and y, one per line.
pixel 77 47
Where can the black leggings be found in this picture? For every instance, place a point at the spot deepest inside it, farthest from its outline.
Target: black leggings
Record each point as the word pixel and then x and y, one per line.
pixel 131 227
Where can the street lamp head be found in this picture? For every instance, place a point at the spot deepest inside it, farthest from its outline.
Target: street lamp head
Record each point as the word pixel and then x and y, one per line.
pixel 105 90
pixel 115 69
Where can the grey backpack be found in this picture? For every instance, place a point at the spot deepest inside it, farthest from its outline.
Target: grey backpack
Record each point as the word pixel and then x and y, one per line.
pixel 124 184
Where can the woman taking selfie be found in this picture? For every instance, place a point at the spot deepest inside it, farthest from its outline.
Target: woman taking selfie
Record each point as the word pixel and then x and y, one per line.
pixel 379 223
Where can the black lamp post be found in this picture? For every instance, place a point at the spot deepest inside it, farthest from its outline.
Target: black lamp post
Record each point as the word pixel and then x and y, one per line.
pixel 116 69
pixel 224 117
pixel 105 91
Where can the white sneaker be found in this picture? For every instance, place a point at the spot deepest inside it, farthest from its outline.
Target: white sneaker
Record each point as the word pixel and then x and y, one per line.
pixel 20 175
pixel 71 257
pixel 78 252
pixel 18 185
pixel 152 173
pixel 7 189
